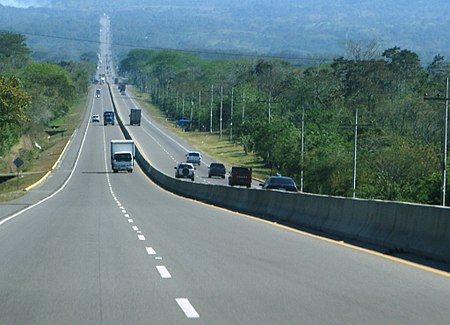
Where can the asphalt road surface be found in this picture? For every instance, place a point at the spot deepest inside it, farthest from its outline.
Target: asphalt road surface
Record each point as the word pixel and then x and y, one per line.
pixel 110 248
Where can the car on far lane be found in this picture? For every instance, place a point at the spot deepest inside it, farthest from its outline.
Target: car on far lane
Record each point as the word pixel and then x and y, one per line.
pixel 96 118
pixel 193 157
pixel 185 170
pixel 217 169
pixel 280 183
pixel 241 176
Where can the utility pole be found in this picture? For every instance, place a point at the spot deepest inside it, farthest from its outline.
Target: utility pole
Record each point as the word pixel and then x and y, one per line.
pixel 444 150
pixel 192 108
pixel 243 106
pixel 199 109
pixel 211 112
pixel 270 95
pixel 178 113
pixel 183 107
pixel 231 114
pixel 221 112
pixel 302 149
pixel 355 147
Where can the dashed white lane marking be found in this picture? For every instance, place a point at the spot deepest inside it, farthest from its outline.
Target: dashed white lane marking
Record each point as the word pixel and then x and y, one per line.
pixel 124 211
pixel 187 308
pixel 139 232
pixel 135 228
pixel 150 250
pixel 163 272
pixel 141 237
pixel 130 221
pixel 126 215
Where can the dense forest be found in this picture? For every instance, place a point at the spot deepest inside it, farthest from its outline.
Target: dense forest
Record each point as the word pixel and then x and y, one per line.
pixel 33 93
pixel 264 105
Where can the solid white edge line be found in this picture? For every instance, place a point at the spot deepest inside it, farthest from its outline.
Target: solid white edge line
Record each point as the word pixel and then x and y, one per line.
pixel 163 272
pixel 63 185
pixel 187 308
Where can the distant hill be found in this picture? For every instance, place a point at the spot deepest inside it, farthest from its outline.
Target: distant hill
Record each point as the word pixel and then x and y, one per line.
pixel 290 27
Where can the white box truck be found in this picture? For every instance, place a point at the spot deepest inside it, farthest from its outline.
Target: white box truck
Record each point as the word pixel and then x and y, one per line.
pixel 122 155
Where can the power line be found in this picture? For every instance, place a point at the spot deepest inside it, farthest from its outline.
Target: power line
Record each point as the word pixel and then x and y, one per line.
pixel 193 51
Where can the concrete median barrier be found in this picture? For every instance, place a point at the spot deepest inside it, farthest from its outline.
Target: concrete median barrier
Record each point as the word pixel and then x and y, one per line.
pixel 401 227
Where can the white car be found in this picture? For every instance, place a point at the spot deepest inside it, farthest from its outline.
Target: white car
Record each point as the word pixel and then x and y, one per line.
pixel 193 157
pixel 96 118
pixel 185 170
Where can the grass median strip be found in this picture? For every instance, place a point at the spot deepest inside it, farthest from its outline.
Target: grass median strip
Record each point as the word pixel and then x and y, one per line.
pixel 222 150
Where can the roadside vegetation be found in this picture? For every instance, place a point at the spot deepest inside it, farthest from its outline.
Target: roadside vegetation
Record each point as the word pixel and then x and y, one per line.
pixel 261 107
pixel 41 104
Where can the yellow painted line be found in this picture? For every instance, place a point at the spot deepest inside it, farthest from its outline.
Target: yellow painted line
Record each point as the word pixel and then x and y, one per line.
pixel 304 233
pixel 64 150
pixel 53 167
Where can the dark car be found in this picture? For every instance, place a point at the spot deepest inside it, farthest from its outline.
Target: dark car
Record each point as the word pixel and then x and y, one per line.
pixel 217 169
pixel 240 176
pixel 280 183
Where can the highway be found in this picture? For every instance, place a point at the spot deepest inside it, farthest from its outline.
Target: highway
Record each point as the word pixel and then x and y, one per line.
pixel 165 150
pixel 107 248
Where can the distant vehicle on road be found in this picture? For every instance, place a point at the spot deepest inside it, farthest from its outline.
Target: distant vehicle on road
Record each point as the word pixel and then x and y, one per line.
pixel 194 157
pixel 217 169
pixel 122 88
pixel 108 117
pixel 122 155
pixel 96 118
pixel 98 93
pixel 185 170
pixel 280 183
pixel 135 116
pixel 240 176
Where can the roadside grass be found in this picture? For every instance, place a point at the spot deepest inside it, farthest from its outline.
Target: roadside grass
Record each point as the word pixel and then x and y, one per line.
pixel 37 162
pixel 222 150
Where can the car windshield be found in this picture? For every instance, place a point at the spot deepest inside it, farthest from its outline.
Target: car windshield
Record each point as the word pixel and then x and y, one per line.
pixel 240 170
pixel 194 154
pixel 122 157
pixel 281 181
pixel 185 166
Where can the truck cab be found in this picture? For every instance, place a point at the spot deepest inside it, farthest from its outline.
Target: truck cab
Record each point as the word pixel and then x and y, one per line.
pixel 122 155
pixel 108 117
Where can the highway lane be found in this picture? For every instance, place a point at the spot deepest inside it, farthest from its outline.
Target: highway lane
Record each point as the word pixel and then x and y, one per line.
pixel 114 249
pixel 163 148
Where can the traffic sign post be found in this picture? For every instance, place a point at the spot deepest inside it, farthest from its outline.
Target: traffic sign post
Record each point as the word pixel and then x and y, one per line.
pixel 18 163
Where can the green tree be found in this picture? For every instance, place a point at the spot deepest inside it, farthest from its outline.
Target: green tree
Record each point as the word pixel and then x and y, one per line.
pixel 13 51
pixel 13 110
pixel 52 91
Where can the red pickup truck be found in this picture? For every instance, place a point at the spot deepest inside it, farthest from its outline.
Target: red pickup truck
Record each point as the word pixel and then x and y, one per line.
pixel 240 176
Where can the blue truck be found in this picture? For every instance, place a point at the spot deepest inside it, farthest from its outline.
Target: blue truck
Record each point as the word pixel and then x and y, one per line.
pixel 108 117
